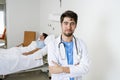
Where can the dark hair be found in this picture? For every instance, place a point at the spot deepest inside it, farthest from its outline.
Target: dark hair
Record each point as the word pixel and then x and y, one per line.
pixel 69 14
pixel 45 35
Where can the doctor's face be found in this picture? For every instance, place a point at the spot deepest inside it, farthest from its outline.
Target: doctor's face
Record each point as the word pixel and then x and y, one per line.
pixel 68 26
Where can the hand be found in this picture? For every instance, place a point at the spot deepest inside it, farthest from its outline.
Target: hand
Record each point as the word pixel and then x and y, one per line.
pixel 56 69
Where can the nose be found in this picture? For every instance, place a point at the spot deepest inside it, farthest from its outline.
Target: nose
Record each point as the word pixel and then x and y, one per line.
pixel 69 26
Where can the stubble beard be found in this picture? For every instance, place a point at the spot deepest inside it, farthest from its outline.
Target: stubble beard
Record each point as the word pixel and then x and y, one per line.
pixel 68 34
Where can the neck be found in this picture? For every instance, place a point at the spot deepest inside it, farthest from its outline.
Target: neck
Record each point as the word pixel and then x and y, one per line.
pixel 66 38
pixel 41 39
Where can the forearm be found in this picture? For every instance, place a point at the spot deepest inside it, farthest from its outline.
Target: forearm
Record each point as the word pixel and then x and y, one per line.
pixel 79 70
pixel 31 52
pixel 66 69
pixel 58 69
pixel 19 45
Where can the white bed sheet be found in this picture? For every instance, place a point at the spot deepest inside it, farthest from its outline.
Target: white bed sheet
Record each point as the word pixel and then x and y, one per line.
pixel 12 60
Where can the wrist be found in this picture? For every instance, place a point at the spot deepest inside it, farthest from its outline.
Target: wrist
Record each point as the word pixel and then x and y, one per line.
pixel 65 70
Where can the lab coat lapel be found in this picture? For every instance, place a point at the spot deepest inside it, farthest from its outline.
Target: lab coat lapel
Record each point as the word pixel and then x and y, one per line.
pixel 75 55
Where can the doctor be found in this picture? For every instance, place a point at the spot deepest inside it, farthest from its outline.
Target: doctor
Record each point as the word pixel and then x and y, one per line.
pixel 67 55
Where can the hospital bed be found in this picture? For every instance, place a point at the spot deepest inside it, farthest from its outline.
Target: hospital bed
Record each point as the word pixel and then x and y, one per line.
pixel 21 63
pixel 14 61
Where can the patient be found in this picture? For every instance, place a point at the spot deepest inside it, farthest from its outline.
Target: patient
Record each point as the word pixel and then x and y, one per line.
pixel 13 59
pixel 40 44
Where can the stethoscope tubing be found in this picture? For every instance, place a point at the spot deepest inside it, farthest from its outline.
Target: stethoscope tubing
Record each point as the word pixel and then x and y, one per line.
pixel 61 42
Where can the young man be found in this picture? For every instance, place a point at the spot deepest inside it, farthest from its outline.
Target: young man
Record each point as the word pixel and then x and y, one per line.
pixel 40 44
pixel 67 55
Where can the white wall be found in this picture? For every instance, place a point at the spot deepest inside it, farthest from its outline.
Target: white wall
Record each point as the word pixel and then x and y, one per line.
pixel 98 26
pixel 21 15
pixel 47 7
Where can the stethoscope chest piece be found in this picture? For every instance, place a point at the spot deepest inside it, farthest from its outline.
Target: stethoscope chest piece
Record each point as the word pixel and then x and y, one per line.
pixel 79 54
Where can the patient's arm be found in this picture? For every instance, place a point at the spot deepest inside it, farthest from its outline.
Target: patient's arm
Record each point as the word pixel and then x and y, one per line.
pixel 31 52
pixel 19 45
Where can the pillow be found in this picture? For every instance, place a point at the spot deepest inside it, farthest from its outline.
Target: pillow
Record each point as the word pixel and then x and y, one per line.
pixel 49 38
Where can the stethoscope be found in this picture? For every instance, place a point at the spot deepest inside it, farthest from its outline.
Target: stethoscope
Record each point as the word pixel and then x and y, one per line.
pixel 62 48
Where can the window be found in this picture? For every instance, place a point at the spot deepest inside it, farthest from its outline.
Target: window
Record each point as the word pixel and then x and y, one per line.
pixel 2 23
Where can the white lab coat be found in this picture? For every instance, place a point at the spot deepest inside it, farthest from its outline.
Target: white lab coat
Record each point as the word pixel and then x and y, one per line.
pixel 82 61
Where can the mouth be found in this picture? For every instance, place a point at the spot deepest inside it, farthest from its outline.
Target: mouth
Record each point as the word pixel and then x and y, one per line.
pixel 68 31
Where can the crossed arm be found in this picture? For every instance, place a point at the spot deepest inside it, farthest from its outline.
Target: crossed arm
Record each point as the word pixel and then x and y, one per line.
pixel 56 69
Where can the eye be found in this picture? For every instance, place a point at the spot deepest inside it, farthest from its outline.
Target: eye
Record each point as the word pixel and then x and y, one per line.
pixel 65 23
pixel 72 23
